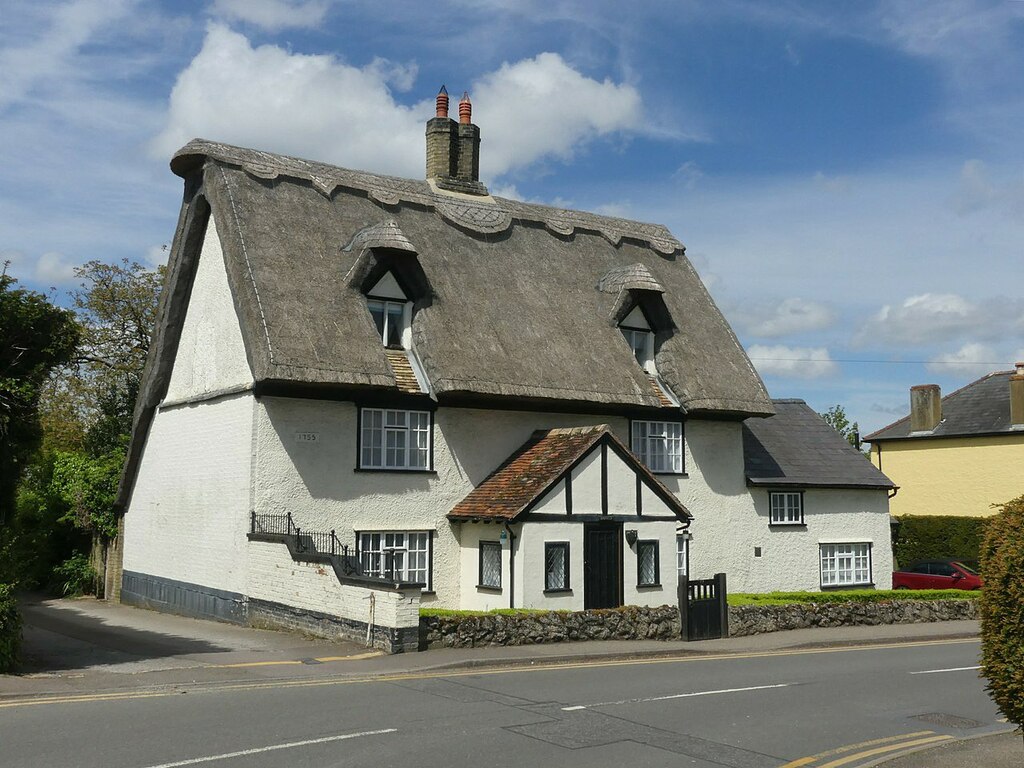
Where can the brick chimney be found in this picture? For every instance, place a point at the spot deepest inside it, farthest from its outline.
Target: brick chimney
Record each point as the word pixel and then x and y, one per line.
pixel 453 149
pixel 1017 398
pixel 925 407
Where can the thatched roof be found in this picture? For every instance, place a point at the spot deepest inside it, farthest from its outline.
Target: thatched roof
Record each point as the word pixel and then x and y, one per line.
pixel 797 448
pixel 537 465
pixel 518 297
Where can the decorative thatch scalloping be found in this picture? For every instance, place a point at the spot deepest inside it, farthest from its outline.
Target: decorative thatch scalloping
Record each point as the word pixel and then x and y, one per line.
pixel 514 314
pixel 635 277
pixel 384 234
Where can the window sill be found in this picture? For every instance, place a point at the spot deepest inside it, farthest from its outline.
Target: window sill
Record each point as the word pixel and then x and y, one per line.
pixel 788 525
pixel 559 591
pixel 841 587
pixel 487 588
pixel 648 586
pixel 396 470
pixel 428 592
pixel 669 474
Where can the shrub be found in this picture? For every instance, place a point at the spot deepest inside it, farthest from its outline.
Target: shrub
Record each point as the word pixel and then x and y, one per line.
pixel 848 596
pixel 1002 609
pixel 930 537
pixel 10 628
pixel 76 575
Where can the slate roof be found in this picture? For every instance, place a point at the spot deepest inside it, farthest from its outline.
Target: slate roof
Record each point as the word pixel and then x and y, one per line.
pixel 796 447
pixel 537 465
pixel 980 408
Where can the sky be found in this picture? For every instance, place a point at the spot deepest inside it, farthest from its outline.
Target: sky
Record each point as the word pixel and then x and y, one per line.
pixel 847 177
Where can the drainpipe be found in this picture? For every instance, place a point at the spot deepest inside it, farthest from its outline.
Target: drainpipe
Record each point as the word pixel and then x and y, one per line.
pixel 511 567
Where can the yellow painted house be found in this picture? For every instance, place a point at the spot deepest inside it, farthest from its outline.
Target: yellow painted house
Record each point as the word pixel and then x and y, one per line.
pixel 959 454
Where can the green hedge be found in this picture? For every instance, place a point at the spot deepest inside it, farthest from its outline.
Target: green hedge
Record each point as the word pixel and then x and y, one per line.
pixel 930 537
pixel 849 596
pixel 10 628
pixel 1002 609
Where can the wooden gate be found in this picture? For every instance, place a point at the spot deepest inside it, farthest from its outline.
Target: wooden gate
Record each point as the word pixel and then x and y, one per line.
pixel 703 611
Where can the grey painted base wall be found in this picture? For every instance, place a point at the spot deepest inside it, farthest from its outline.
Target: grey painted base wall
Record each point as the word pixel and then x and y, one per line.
pixel 201 602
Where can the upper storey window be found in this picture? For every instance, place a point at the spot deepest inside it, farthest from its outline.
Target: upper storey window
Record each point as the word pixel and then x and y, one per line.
pixel 391 311
pixel 637 330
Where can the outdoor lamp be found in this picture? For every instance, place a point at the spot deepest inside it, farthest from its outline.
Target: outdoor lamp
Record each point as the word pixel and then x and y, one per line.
pixel 631 537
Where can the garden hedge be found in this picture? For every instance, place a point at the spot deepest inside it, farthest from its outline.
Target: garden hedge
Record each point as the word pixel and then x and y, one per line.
pixel 930 537
pixel 1002 609
pixel 10 629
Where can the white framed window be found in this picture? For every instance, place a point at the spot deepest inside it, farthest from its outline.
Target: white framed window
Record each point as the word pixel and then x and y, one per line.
pixel 845 564
pixel 393 439
pixel 490 565
pixel 659 445
pixel 787 507
pixel 389 317
pixel 638 334
pixel 399 555
pixel 648 570
pixel 556 566
pixel 682 555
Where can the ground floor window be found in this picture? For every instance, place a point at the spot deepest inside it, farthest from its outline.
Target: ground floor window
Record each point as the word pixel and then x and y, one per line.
pixel 647 574
pixel 682 555
pixel 399 555
pixel 490 564
pixel 556 566
pixel 845 564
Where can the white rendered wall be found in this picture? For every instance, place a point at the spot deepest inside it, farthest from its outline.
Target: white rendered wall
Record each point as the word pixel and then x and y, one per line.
pixel 189 511
pixel 275 577
pixel 316 480
pixel 211 353
pixel 474 597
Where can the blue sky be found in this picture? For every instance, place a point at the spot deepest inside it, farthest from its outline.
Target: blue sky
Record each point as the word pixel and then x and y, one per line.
pixel 848 177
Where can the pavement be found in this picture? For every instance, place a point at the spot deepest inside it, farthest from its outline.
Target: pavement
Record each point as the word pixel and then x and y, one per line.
pixel 85 646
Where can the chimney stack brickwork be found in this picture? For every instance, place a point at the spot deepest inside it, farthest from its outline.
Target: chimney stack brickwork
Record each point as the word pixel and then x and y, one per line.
pixel 453 148
pixel 925 407
pixel 1017 397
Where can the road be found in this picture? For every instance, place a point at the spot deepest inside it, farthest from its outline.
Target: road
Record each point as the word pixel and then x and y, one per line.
pixel 747 711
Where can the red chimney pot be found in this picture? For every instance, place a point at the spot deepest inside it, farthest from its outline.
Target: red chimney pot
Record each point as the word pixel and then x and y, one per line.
pixel 442 102
pixel 465 109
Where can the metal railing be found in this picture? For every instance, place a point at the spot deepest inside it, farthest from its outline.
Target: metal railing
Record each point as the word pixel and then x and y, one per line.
pixel 317 542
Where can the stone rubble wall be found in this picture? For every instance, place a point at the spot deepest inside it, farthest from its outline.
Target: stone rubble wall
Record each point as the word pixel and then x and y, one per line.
pixel 756 619
pixel 662 623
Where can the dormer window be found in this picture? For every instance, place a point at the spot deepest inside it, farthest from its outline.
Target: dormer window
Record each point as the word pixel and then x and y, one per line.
pixel 391 311
pixel 637 330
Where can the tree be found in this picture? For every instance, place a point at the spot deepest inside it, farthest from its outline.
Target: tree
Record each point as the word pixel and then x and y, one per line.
pixel 1002 609
pixel 836 418
pixel 35 337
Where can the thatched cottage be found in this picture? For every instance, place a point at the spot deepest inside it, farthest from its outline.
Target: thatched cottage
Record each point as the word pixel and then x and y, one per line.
pixel 361 380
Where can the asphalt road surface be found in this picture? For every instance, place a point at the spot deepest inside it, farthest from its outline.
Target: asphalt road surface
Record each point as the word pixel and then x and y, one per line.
pixel 821 708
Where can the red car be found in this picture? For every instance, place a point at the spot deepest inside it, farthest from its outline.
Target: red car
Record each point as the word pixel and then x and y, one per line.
pixel 937 574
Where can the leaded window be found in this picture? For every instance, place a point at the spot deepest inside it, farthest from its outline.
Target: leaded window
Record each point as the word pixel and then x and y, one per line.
pixel 556 565
pixel 490 564
pixel 647 563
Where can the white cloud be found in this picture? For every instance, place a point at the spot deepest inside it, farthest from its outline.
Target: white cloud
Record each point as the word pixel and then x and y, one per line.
pixel 273 15
pixel 794 315
pixel 919 319
pixel 322 108
pixel 47 269
pixel 972 359
pixel 792 362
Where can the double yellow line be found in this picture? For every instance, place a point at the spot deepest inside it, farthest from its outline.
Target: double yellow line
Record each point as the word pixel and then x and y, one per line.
pixel 854 753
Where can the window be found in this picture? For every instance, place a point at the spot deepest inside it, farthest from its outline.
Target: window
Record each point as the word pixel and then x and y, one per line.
pixel 392 439
pixel 389 317
pixel 640 337
pixel 398 555
pixel 787 508
pixel 659 445
pixel 845 564
pixel 556 566
pixel 490 564
pixel 647 570
pixel 682 555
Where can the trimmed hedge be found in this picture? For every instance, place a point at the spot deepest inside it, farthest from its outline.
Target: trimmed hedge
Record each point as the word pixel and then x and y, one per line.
pixel 849 596
pixel 931 537
pixel 10 628
pixel 1002 609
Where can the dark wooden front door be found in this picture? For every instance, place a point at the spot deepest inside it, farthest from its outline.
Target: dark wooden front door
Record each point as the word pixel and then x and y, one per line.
pixel 602 565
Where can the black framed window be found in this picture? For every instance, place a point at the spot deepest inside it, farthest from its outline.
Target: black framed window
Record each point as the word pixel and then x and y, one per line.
pixel 490 565
pixel 647 566
pixel 556 566
pixel 787 507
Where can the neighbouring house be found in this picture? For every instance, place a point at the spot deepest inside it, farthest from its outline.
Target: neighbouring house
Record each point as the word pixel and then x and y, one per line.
pixel 367 394
pixel 958 454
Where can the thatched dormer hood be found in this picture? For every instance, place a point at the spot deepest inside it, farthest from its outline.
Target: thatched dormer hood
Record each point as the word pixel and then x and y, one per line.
pixel 520 300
